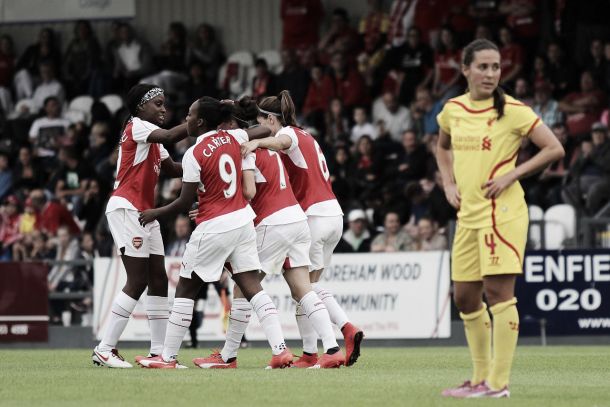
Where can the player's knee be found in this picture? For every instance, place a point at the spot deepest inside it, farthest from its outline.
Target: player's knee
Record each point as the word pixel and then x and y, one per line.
pixel 495 295
pixel 135 287
pixel 466 303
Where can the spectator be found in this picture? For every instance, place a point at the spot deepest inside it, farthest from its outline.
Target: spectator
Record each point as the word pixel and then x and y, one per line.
pixel 208 52
pixel 401 20
pixel 317 97
pixel 9 227
pixel 82 61
pixel 340 39
pixel 46 131
pixel 522 91
pixel 393 239
pixel 49 86
pixel 590 174
pixel 438 208
pixel 175 50
pixel 92 206
pixel 99 144
pixel 366 167
pixel 6 175
pixel 7 70
pixel 545 106
pixel 416 60
pixel 583 108
pixel 540 73
pixel 429 108
pixel 28 66
pixel 373 29
pixel 197 84
pixel 345 82
pixel 396 118
pixel 340 175
pixel 357 239
pixel 447 68
pixel 264 82
pixel 559 71
pixel 522 18
pixel 337 125
pixel 595 61
pixel 412 160
pixel 132 60
pixel 26 172
pixel 294 78
pixel 50 214
pixel 428 236
pixel 511 56
pixel 546 191
pixel 362 126
pixel 182 232
pixel 70 180
pixel 63 276
pixel 67 249
pixel 301 21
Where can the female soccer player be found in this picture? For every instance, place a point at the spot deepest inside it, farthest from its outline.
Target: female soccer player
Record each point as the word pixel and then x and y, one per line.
pixel 309 177
pixel 225 231
pixel 141 157
pixel 480 135
pixel 283 240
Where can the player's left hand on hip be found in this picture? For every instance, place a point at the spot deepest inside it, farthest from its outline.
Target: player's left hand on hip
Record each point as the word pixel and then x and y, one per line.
pixel 147 216
pixel 497 185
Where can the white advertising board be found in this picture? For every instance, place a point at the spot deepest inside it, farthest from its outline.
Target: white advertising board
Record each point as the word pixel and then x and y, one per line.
pixel 389 295
pixel 24 11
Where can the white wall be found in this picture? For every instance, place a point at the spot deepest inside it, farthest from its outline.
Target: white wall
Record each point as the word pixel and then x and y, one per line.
pixel 241 24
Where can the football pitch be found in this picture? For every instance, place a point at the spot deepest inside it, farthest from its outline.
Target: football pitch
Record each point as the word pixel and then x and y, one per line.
pixel 551 376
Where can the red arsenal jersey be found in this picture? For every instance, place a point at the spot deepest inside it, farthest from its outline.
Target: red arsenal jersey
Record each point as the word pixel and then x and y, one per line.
pixel 309 175
pixel 215 163
pixel 274 202
pixel 138 168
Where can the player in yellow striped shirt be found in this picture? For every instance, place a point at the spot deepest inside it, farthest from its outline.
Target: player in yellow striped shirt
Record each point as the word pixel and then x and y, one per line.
pixel 480 135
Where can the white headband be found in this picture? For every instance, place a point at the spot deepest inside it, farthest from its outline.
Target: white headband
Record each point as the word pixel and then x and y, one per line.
pixel 151 94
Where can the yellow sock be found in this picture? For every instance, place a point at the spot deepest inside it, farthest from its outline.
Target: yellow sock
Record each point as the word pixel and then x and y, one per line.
pixel 505 335
pixel 477 326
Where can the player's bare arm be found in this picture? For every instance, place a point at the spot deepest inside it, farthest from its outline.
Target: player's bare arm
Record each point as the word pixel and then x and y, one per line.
pixel 444 158
pixel 550 150
pixel 171 168
pixel 170 136
pixel 248 184
pixel 180 205
pixel 279 143
pixel 258 132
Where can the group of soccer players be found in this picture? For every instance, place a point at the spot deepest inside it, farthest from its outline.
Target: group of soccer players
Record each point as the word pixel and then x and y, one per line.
pixel 281 170
pixel 265 205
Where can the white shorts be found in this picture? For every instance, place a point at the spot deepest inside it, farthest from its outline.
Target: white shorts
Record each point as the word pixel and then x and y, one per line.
pixel 206 253
pixel 283 246
pixel 131 238
pixel 326 231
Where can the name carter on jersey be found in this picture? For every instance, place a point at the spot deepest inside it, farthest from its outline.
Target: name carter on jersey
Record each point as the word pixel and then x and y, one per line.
pixel 214 143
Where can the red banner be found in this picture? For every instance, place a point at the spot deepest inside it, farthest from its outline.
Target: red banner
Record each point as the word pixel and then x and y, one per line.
pixel 24 302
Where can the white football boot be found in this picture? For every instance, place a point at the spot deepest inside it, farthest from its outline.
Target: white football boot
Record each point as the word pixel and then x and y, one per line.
pixel 111 358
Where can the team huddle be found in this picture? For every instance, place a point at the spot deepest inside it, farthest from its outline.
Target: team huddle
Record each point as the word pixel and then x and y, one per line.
pixel 265 206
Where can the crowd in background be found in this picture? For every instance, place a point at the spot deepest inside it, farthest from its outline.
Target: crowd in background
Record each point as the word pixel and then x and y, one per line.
pixel 368 89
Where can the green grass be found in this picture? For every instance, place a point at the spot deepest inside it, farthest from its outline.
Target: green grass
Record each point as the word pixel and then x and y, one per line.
pixel 552 376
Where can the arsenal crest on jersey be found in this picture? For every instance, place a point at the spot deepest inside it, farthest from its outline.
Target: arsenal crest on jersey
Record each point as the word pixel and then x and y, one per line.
pixel 137 242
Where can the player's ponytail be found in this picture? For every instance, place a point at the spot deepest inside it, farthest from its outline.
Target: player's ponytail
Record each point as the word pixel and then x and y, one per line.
pixel 280 106
pixel 245 111
pixel 289 116
pixel 499 101
pixel 467 58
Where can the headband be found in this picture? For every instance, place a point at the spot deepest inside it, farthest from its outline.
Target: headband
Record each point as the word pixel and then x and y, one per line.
pixel 268 112
pixel 151 94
